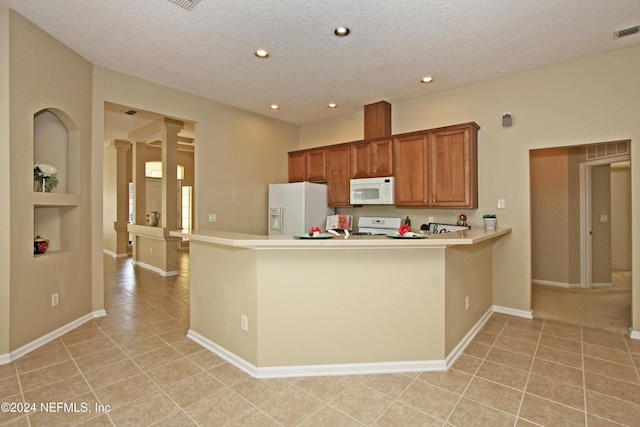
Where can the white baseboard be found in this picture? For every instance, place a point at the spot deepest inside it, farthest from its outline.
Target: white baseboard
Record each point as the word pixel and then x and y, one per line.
pixel 113 254
pixel 464 342
pixel 155 269
pixel 569 285
pixel 601 285
pixel 343 369
pixel 513 312
pixel 635 335
pixel 556 284
pixel 317 370
pixel 35 344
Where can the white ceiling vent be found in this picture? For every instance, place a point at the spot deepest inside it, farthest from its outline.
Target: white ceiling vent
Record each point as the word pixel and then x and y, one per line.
pixel 626 32
pixel 186 4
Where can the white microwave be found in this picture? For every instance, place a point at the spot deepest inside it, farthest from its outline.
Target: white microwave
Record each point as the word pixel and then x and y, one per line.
pixel 372 191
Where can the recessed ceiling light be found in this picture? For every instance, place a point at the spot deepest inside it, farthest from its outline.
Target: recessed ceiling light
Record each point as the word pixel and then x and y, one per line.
pixel 262 53
pixel 427 79
pixel 333 105
pixel 341 31
pixel 274 106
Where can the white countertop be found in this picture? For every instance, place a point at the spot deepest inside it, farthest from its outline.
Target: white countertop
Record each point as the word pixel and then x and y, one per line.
pixel 254 241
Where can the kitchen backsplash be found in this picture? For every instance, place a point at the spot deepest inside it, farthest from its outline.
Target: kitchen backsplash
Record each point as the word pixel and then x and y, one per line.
pixel 417 216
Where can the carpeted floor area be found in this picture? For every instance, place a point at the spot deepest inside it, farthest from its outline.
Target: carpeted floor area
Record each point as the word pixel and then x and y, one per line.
pixel 604 308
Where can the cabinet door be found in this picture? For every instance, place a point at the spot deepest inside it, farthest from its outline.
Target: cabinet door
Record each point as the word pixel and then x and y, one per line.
pixel 338 160
pixel 360 160
pixel 452 168
pixel 382 157
pixel 316 165
pixel 410 154
pixel 297 166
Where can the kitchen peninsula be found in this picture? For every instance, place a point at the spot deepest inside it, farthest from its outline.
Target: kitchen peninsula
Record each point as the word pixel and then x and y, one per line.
pixel 278 306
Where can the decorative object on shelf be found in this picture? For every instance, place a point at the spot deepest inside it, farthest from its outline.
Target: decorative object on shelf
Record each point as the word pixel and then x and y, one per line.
pixel 462 220
pixel 40 245
pixel 45 177
pixel 490 221
pixel 153 218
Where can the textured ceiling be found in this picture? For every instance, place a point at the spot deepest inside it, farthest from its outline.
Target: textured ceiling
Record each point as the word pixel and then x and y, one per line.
pixel 393 44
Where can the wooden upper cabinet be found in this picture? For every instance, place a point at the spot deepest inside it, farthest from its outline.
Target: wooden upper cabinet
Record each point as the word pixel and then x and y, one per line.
pixel 308 165
pixel 360 160
pixel 372 158
pixel 338 162
pixel 382 157
pixel 410 154
pixel 297 168
pixel 316 163
pixel 453 164
pixel 438 168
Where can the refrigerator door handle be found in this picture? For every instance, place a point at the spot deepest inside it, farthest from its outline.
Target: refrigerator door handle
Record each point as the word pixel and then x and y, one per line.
pixel 281 229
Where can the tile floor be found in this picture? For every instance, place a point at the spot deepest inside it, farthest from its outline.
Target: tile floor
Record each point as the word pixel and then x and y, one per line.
pixel 138 361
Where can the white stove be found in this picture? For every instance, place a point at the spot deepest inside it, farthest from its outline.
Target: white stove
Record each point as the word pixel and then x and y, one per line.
pixel 368 225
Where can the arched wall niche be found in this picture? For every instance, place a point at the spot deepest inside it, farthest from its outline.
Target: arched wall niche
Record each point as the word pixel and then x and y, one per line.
pixel 56 141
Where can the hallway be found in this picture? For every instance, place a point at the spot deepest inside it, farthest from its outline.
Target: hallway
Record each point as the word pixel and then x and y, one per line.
pixel 604 308
pixel 138 367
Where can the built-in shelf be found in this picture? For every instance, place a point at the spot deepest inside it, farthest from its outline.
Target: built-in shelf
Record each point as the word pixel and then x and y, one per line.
pixel 56 214
pixel 55 199
pixel 58 224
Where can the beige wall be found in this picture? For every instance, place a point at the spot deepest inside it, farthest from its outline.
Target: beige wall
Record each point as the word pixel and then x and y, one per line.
pixel 44 74
pixel 109 200
pixel 5 176
pixel 550 216
pixel 621 216
pixel 589 100
pixel 473 281
pixel 601 230
pixel 555 215
pixel 298 314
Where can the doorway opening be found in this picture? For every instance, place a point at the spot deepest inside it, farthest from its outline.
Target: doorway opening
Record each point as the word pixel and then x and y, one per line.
pixel 581 234
pixel 118 168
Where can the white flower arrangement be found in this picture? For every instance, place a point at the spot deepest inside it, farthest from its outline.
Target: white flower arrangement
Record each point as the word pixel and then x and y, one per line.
pixel 46 176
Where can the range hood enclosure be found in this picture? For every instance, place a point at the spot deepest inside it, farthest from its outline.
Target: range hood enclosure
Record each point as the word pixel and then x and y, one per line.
pixel 377 120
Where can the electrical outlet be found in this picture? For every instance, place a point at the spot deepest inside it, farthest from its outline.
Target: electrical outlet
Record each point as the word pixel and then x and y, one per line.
pixel 54 299
pixel 501 204
pixel 213 217
pixel 244 323
pixel 466 303
pixel 430 220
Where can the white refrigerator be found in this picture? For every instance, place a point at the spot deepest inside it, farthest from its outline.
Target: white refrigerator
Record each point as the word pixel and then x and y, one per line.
pixel 296 207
